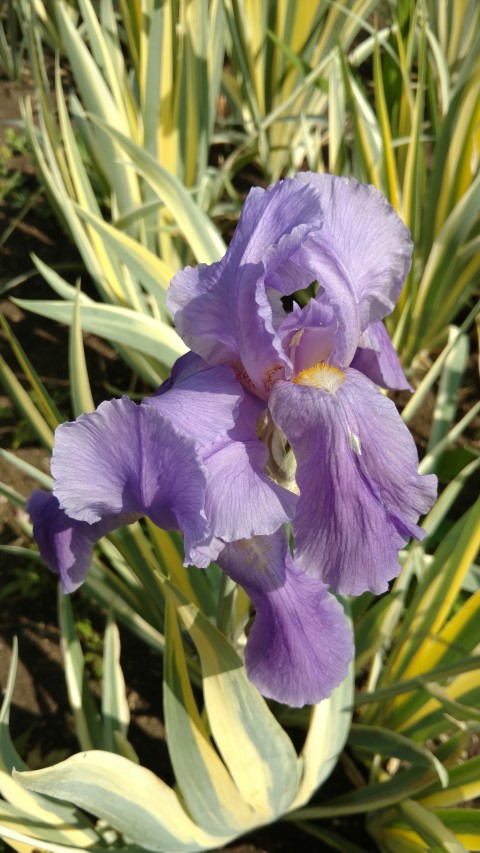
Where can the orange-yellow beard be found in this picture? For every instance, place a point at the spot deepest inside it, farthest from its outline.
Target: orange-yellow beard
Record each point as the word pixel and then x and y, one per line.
pixel 323 376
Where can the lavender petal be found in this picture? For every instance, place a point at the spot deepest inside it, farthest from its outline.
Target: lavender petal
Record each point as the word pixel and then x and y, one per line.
pixel 66 545
pixel 300 644
pixel 377 359
pixel 357 471
pixel 124 459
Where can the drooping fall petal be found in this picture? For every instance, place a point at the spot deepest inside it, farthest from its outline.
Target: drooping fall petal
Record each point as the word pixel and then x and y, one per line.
pixel 124 459
pixel 357 471
pixel 377 359
pixel 300 645
pixel 66 545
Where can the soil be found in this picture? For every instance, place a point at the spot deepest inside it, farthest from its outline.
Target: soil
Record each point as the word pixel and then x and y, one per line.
pixel 41 720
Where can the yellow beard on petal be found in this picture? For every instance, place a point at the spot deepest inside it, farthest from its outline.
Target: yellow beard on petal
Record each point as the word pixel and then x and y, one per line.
pixel 323 376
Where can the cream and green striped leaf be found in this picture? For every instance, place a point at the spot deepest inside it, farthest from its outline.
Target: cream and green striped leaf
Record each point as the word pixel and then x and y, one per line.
pixel 259 778
pixel 119 325
pixel 24 813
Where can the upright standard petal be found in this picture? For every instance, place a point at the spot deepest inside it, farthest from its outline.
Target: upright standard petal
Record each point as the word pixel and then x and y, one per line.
pixel 343 234
pixel 200 308
pixel 357 471
pixel 308 335
pixel 365 238
pixel 222 311
pixel 300 644
pixel 124 459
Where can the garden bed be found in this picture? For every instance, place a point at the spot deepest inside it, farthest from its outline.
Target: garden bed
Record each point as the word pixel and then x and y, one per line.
pixel 41 720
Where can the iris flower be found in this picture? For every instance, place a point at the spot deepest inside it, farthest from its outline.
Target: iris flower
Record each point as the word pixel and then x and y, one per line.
pixel 316 369
pixel 273 417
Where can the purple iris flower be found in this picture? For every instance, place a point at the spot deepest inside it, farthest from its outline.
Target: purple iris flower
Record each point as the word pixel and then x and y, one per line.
pixel 274 417
pixel 124 461
pixel 301 644
pixel 334 438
